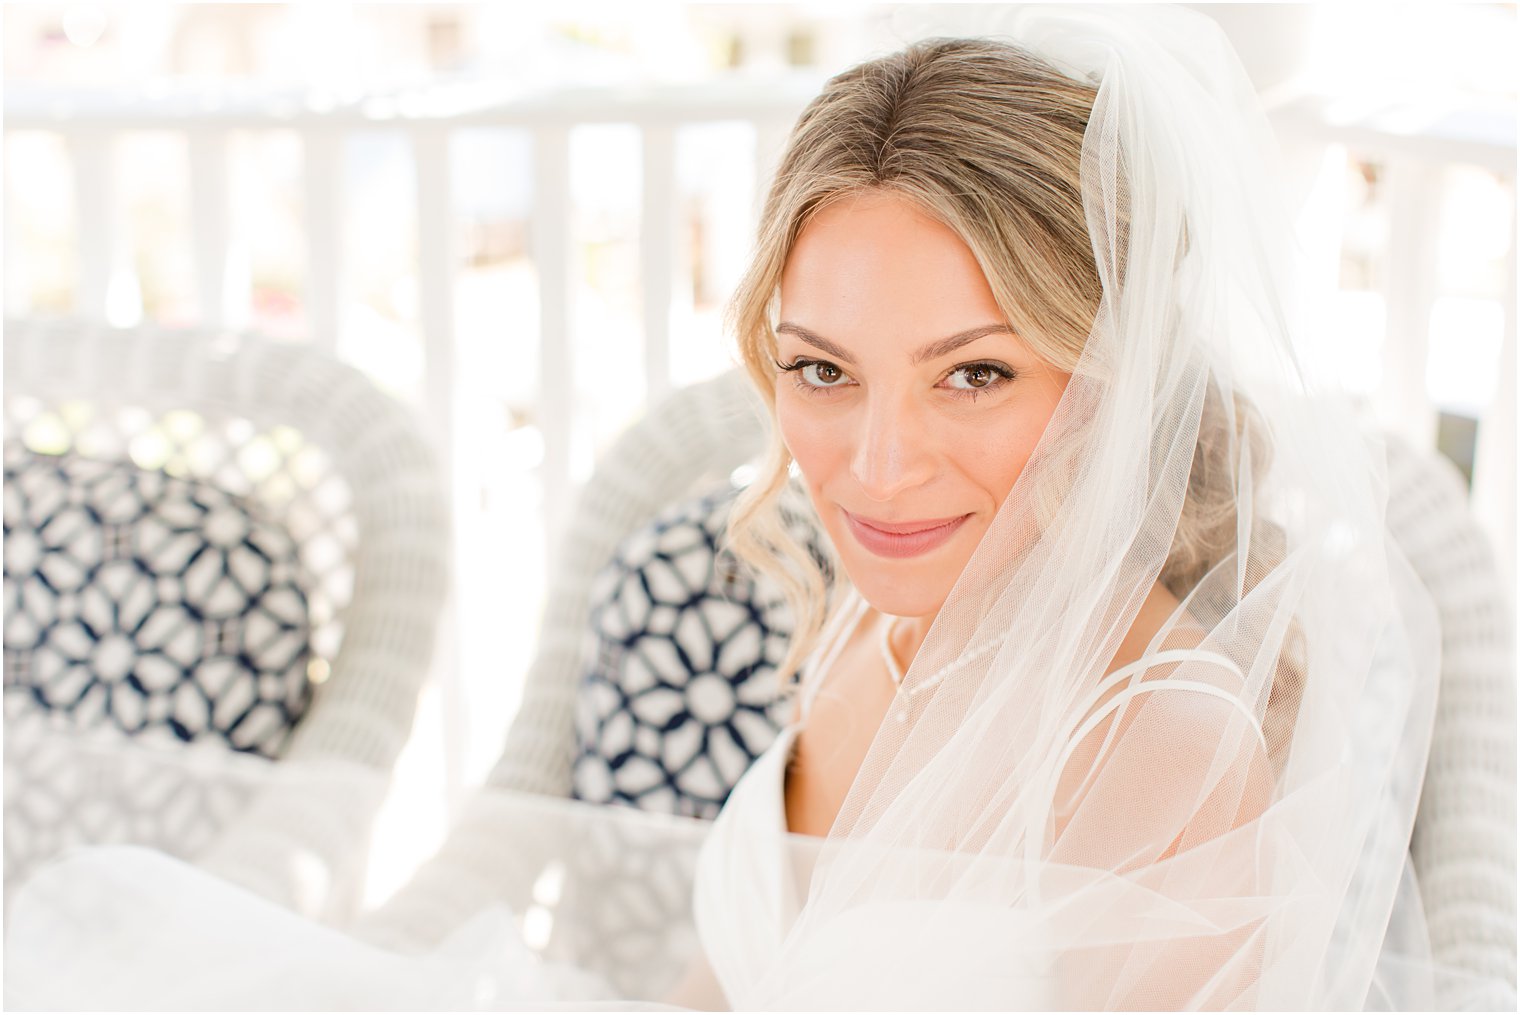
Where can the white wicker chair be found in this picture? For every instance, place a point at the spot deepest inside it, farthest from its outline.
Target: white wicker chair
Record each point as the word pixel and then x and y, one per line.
pixel 1464 834
pixel 337 463
pixel 1464 841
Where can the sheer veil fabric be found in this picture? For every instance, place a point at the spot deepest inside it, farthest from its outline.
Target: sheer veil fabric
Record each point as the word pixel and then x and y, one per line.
pixel 1224 823
pixel 1221 824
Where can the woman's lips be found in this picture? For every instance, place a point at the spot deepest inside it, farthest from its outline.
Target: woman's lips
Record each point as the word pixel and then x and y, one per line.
pixel 902 539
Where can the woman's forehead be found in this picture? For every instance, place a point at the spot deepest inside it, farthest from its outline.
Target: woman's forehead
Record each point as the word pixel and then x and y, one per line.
pixel 877 265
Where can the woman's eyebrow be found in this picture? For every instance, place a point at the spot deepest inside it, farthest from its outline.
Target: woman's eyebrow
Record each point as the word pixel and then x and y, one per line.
pixel 815 340
pixel 934 350
pixel 931 351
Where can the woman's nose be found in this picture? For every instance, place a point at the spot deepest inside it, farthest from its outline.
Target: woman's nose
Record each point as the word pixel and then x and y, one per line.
pixel 893 452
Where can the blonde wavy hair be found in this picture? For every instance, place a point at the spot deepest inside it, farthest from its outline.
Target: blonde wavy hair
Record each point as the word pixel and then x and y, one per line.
pixel 988 139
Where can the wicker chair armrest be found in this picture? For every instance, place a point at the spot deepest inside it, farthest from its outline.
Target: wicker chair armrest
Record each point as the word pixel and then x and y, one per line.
pixel 1463 844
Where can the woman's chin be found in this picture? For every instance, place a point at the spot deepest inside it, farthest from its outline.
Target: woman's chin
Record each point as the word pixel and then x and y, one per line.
pixel 901 594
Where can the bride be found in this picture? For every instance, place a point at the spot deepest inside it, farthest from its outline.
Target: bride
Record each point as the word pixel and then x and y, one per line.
pixel 1126 696
pixel 1078 734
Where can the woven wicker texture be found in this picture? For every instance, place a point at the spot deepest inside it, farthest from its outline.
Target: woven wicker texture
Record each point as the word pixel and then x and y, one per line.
pixel 1464 835
pixel 1464 842
pixel 342 466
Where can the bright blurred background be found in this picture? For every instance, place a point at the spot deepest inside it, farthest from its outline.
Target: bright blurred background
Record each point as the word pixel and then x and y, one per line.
pixel 524 220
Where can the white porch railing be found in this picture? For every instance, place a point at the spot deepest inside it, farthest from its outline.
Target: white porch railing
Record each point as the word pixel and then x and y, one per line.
pixel 92 126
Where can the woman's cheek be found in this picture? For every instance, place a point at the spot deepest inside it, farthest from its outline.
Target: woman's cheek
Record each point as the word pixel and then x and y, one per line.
pixel 1008 447
pixel 1005 448
pixel 814 439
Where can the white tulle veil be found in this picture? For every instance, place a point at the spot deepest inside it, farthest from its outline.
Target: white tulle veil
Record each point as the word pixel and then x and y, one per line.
pixel 1224 823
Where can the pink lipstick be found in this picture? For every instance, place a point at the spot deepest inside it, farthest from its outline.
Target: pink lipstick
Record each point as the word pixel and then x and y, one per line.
pixel 902 539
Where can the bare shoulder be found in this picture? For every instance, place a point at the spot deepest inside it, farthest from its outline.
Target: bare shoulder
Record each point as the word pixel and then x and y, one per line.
pixel 1187 729
pixel 1162 627
pixel 1159 612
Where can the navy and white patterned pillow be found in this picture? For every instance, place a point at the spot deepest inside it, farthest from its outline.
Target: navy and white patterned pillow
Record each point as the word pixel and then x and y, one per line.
pixel 682 695
pixel 159 606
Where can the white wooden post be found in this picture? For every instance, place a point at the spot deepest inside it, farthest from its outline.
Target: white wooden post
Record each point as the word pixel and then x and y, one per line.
pixel 1316 186
pixel 106 285
pixel 551 243
pixel 657 255
pixel 1414 198
pixel 438 256
pixel 221 267
pixel 438 253
pixel 323 192
pixel 18 284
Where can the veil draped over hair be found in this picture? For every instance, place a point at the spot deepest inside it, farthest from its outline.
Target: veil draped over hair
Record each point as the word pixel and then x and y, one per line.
pixel 1224 823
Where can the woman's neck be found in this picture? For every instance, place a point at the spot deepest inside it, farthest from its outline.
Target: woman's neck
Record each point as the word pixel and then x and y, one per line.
pixel 905 635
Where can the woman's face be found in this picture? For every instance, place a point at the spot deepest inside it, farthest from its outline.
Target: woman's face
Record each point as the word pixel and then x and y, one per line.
pixel 908 404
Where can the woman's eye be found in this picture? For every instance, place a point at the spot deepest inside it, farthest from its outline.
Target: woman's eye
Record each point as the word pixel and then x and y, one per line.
pixel 815 374
pixel 822 375
pixel 978 376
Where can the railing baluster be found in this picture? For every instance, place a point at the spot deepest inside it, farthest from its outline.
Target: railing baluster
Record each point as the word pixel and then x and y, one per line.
pixel 323 191
pixel 104 287
pixel 551 241
pixel 221 281
pixel 438 257
pixel 18 283
pixel 657 254
pixel 437 252
pixel 435 242
pixel 1414 195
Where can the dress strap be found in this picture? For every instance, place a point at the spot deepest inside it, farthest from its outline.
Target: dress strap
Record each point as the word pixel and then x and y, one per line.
pixel 830 645
pixel 1129 674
